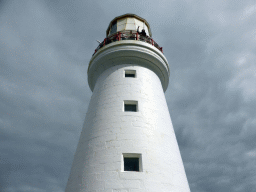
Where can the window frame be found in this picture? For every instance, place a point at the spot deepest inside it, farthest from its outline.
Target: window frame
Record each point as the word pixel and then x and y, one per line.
pixel 132 155
pixel 130 102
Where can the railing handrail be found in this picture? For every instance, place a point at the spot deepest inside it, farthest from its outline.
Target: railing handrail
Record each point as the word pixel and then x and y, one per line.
pixel 127 35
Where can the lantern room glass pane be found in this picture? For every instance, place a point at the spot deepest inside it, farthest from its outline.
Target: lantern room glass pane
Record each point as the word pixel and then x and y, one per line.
pixel 130 26
pixel 121 21
pixel 113 28
pixel 120 27
pixel 130 20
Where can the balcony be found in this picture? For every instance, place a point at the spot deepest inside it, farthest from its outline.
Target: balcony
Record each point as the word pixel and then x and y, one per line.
pixel 128 35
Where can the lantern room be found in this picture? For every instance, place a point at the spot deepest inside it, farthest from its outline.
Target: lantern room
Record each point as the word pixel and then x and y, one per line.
pixel 128 22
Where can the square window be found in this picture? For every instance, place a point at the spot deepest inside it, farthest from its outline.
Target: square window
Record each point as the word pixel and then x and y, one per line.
pixel 130 73
pixel 132 162
pixel 131 106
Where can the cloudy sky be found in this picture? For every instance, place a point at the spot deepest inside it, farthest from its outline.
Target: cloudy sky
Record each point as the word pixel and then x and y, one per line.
pixel 46 46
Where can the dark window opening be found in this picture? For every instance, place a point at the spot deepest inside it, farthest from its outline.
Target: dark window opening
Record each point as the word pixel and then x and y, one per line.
pixel 113 28
pixel 130 107
pixel 129 75
pixel 131 164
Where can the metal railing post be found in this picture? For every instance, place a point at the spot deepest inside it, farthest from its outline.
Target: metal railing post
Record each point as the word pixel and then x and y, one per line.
pixel 119 36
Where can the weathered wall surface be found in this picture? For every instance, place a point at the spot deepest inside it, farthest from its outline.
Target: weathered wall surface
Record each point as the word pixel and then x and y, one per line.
pixel 109 132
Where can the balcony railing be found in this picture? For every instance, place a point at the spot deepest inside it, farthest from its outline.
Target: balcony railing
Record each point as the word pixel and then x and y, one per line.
pixel 128 35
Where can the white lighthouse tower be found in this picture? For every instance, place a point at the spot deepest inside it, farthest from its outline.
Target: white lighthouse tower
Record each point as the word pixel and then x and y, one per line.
pixel 128 143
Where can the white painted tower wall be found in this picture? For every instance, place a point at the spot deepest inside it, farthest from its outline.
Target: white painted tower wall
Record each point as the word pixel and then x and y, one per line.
pixel 109 131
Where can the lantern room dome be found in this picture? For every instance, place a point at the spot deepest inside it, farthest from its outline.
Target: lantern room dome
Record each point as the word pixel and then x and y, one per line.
pixel 128 22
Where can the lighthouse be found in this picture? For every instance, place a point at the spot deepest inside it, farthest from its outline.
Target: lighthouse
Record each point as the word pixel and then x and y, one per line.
pixel 128 143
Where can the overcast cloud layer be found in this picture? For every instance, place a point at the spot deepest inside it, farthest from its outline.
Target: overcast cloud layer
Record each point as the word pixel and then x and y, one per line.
pixel 45 48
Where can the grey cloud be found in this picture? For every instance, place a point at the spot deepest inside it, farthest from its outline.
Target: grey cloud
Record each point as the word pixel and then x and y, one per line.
pixel 45 48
